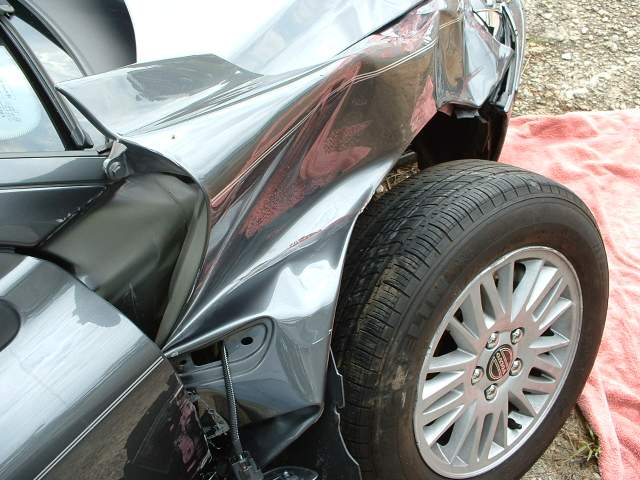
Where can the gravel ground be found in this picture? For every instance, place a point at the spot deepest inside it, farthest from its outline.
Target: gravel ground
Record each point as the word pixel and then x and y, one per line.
pixel 582 55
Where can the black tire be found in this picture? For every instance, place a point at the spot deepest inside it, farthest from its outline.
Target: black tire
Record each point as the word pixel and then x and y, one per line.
pixel 411 251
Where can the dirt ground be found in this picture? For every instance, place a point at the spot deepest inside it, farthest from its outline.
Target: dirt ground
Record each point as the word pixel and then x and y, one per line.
pixel 582 55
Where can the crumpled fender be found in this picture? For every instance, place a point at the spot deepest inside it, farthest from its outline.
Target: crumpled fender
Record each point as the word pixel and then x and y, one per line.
pixel 286 164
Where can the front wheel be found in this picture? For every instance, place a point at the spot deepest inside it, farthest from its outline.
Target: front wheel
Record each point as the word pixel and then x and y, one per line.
pixel 473 304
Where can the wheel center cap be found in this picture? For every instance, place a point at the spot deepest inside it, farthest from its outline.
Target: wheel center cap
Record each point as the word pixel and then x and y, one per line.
pixel 500 363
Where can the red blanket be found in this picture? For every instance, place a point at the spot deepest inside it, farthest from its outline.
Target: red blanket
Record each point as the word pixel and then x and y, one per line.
pixel 597 155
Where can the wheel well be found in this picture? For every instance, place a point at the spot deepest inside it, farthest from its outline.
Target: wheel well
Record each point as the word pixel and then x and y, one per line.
pixel 463 134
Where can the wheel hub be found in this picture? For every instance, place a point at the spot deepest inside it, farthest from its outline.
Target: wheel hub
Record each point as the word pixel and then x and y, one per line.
pixel 497 362
pixel 500 363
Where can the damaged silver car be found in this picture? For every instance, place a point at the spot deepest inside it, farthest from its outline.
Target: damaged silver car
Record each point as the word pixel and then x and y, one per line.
pixel 201 278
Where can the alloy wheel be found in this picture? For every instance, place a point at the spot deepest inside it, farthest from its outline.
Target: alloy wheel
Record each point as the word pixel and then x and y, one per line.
pixel 497 362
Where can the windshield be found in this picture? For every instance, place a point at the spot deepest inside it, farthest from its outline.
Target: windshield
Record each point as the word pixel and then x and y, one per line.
pixel 24 123
pixel 58 65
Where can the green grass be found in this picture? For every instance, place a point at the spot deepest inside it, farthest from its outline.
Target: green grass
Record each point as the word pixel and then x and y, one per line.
pixel 589 448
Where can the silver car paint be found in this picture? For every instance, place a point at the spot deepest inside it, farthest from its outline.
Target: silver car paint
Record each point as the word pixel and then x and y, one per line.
pixel 269 38
pixel 76 372
pixel 286 163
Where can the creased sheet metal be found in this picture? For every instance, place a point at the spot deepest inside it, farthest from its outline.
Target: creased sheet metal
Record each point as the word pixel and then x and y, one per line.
pixel 287 163
pixel 269 37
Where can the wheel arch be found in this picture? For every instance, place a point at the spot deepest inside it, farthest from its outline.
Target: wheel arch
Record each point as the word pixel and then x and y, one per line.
pixel 483 130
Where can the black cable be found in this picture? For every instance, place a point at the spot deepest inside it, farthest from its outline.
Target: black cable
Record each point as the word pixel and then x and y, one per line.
pixel 231 401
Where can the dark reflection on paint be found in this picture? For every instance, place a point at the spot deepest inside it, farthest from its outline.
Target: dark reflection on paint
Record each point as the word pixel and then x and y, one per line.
pixel 167 443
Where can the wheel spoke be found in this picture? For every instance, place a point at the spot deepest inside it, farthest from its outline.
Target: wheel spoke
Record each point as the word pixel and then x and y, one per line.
pixel 434 431
pixel 460 435
pixel 548 286
pixel 463 337
pixel 548 365
pixel 501 437
pixel 544 344
pixel 436 387
pixel 453 361
pixel 493 296
pixel 471 447
pixel 522 403
pixel 473 314
pixel 505 286
pixel 553 313
pixel 525 288
pixel 444 405
pixel 538 385
pixel 488 434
